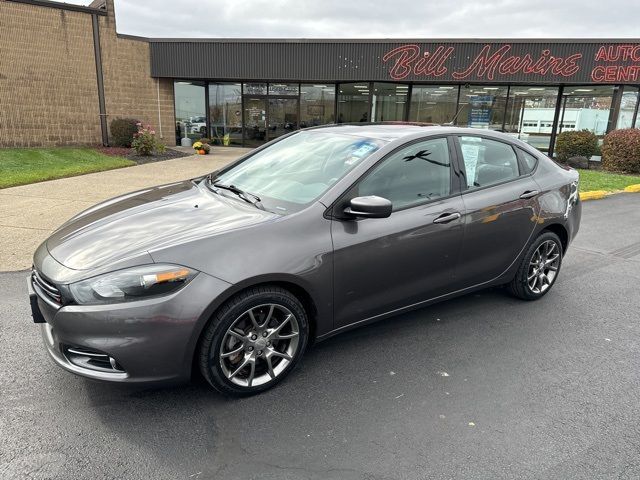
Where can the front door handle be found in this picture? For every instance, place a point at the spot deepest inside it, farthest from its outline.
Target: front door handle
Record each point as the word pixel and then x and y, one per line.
pixel 529 194
pixel 447 217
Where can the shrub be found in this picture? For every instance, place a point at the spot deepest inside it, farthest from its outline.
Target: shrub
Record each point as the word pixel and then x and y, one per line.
pixel 205 140
pixel 122 131
pixel 621 151
pixel 581 143
pixel 145 141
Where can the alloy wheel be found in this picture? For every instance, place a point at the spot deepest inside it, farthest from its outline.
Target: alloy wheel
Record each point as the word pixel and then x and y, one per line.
pixel 543 267
pixel 259 345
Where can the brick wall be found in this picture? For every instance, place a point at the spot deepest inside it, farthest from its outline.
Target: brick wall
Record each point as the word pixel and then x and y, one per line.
pixel 130 91
pixel 48 92
pixel 48 85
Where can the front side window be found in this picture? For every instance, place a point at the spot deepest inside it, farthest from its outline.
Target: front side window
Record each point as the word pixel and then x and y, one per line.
pixel 487 162
pixel 412 175
pixel 298 169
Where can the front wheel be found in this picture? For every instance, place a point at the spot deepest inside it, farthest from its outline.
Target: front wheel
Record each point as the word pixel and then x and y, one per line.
pixel 539 268
pixel 253 341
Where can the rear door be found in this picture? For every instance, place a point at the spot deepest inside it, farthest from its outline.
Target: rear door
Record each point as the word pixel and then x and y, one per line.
pixel 382 264
pixel 501 208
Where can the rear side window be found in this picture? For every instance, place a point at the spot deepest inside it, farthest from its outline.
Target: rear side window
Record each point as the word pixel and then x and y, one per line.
pixel 488 162
pixel 529 162
pixel 412 175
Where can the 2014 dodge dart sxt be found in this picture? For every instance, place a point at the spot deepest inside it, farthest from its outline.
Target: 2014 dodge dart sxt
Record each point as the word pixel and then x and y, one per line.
pixel 323 230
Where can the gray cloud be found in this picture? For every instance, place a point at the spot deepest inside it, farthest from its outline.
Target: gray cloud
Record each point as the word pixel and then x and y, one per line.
pixel 378 19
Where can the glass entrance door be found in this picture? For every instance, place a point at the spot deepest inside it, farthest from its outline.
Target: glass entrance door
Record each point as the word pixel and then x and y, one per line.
pixel 255 121
pixel 283 116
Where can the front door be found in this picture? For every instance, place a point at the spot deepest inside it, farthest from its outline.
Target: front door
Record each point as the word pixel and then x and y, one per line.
pixel 501 209
pixel 255 121
pixel 385 264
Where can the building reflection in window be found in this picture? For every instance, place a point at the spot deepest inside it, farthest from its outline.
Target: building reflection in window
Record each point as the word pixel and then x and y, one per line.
pixel 628 105
pixel 530 113
pixel 225 113
pixel 191 119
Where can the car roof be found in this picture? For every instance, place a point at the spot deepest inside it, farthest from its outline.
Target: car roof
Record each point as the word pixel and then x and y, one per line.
pixel 381 131
pixel 396 130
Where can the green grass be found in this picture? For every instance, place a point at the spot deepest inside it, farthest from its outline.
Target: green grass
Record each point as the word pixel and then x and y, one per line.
pixel 19 166
pixel 599 180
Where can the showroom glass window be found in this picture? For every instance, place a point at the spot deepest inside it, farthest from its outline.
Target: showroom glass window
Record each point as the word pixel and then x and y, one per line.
pixel 433 104
pixel 283 109
pixel 530 112
pixel 628 105
pixel 191 117
pixel 317 104
pixel 225 113
pixel 482 106
pixel 389 102
pixel 413 175
pixel 353 102
pixel 586 108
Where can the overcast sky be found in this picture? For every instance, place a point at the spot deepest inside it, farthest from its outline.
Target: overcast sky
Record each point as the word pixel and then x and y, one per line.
pixel 383 19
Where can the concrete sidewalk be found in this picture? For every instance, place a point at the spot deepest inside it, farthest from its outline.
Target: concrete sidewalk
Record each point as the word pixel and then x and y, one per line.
pixel 28 214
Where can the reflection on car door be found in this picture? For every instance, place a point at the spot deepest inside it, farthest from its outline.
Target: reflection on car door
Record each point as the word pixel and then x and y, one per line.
pixel 500 209
pixel 385 264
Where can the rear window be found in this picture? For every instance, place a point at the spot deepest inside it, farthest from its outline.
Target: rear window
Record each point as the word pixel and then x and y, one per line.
pixel 529 162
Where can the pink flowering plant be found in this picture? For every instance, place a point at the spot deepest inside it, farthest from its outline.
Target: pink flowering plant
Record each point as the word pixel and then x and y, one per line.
pixel 145 141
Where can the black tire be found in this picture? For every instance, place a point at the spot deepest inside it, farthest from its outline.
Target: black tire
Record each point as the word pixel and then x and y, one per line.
pixel 519 287
pixel 216 331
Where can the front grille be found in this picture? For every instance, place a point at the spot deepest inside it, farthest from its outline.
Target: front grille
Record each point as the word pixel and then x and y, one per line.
pixel 93 360
pixel 45 287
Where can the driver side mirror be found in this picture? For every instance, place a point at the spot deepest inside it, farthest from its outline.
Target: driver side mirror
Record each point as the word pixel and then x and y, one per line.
pixel 371 206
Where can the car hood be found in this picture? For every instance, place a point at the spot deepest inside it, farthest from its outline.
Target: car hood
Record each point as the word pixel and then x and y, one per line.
pixel 151 219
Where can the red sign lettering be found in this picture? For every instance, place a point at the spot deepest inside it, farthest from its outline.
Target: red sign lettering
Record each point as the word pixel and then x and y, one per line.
pixel 495 62
pixel 408 60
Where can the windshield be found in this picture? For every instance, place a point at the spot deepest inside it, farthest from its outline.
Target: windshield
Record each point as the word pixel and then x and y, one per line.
pixel 295 171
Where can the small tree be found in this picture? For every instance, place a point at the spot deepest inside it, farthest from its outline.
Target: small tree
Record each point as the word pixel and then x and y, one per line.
pixel 621 151
pixel 145 141
pixel 122 131
pixel 581 143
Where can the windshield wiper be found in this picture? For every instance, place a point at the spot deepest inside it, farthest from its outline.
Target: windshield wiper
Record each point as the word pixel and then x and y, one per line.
pixel 246 196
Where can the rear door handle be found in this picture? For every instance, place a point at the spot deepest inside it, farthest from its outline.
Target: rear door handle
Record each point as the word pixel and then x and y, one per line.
pixel 529 194
pixel 447 217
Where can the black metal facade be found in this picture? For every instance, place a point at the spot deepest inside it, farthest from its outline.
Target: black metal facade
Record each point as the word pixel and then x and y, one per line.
pixel 424 61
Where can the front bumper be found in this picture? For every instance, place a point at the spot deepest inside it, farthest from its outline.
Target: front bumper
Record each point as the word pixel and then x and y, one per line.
pixel 150 340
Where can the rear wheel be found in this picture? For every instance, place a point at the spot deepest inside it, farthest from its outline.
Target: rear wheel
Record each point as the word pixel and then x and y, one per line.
pixel 253 341
pixel 539 268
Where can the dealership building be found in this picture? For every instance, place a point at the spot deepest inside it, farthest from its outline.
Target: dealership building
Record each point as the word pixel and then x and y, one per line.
pixel 65 74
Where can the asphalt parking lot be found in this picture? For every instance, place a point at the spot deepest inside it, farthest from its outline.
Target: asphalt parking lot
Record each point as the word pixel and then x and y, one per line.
pixel 481 387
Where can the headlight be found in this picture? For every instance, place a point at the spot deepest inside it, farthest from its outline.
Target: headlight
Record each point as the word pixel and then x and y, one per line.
pixel 131 284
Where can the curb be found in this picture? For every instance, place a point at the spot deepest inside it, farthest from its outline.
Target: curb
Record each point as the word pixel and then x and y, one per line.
pixel 593 195
pixel 598 194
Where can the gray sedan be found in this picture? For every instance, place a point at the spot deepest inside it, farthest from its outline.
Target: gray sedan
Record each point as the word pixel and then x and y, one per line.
pixel 236 273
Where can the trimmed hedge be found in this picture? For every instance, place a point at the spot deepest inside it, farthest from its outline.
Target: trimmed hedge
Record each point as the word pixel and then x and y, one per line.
pixel 621 151
pixel 571 144
pixel 123 131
